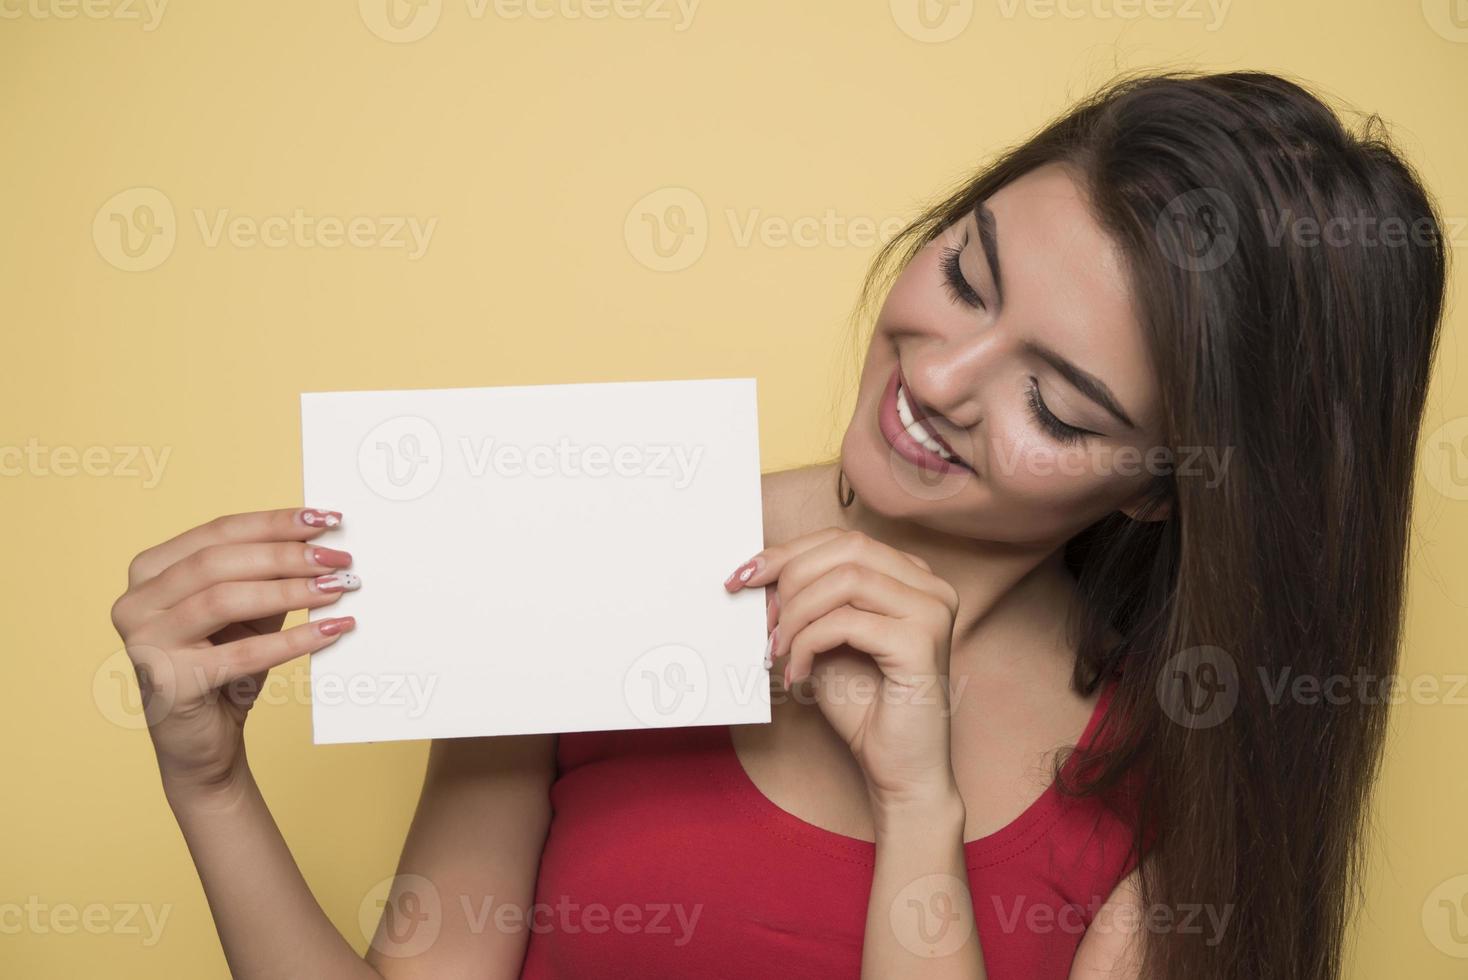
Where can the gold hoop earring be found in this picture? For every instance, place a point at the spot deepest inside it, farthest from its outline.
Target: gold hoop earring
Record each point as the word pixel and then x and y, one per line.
pixel 844 493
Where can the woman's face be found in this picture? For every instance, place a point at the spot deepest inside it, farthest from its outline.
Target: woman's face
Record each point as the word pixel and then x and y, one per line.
pixel 1010 346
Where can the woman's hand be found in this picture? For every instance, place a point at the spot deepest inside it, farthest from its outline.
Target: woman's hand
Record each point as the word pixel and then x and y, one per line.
pixel 843 594
pixel 201 620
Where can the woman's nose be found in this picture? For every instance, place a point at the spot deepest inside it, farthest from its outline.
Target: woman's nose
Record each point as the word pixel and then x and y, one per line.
pixel 951 378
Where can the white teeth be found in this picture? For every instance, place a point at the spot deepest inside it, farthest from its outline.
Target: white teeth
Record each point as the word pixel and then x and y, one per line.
pixel 915 428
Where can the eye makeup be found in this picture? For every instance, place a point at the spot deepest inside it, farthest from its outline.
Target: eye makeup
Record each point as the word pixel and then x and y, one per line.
pixel 1060 431
pixel 953 279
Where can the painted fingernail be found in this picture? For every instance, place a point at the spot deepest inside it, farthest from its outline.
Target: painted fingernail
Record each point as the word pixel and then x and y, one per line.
pixel 787 676
pixel 772 611
pixel 337 582
pixel 329 557
pixel 770 652
pixel 339 624
pixel 744 573
pixel 320 518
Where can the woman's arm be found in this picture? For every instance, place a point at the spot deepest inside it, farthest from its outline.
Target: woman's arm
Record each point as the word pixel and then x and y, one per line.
pixel 920 917
pixel 202 620
pixel 476 837
pixel 465 878
pixel 267 919
pixel 1111 949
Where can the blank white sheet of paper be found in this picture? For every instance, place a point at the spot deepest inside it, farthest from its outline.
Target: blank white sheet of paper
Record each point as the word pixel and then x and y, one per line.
pixel 539 558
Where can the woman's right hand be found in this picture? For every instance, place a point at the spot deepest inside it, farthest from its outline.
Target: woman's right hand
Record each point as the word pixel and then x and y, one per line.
pixel 201 620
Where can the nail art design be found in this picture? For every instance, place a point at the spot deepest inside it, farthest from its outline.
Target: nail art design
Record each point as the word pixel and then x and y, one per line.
pixel 338 582
pixel 329 557
pixel 320 518
pixel 339 624
pixel 770 652
pixel 744 573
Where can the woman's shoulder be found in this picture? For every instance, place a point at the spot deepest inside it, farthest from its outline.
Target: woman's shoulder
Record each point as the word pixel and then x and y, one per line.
pixel 800 500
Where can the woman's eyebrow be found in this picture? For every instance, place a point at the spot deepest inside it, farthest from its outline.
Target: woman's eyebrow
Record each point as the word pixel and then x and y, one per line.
pixel 1087 384
pixel 989 245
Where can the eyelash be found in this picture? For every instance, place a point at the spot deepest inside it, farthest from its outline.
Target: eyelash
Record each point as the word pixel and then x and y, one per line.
pixel 953 279
pixel 1046 420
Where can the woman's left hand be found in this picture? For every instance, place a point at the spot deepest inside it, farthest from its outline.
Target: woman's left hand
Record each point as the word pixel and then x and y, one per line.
pixel 842 594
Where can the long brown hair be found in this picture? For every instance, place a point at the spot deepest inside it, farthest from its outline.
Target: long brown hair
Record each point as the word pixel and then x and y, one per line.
pixel 1289 272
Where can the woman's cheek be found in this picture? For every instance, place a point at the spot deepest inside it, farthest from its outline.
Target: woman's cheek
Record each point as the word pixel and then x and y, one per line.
pixel 1032 469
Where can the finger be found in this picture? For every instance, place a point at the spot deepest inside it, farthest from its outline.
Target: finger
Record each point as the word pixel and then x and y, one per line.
pixel 257 654
pixel 771 564
pixel 291 524
pixel 855 548
pixel 205 613
pixel 860 587
pixel 880 637
pixel 216 563
pixel 757 570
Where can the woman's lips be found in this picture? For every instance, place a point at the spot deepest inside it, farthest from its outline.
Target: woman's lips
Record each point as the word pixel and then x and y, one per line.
pixel 889 421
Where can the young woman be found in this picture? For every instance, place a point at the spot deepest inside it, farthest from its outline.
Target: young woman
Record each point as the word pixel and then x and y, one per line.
pixel 1134 439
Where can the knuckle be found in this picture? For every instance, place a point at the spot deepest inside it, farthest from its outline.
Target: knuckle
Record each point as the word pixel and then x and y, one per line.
pixel 253 561
pixel 138 570
pixel 949 595
pixel 799 645
pixel 216 602
pixel 286 554
pixel 941 614
pixel 209 563
pixel 222 528
pixel 240 658
pixel 119 612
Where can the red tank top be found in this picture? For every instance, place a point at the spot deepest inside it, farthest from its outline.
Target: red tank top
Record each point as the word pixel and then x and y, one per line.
pixel 665 860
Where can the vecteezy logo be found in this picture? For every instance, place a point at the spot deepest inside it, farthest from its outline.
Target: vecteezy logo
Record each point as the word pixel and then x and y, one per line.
pixel 410 911
pixel 1445 456
pixel 1445 917
pixel 402 458
pixel 134 688
pixel 668 229
pixel 1199 687
pixel 926 918
pixel 400 21
pixel 1199 230
pixel 136 229
pixel 1449 18
pixel 932 21
pixel 667 687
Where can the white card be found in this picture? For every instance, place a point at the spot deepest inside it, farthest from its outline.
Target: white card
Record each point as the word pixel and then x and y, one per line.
pixel 537 559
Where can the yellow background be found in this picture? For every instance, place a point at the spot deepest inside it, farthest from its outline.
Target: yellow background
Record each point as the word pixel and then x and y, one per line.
pixel 531 142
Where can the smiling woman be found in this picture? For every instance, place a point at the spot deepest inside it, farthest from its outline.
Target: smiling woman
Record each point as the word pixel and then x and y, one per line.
pixel 1015 732
pixel 1118 285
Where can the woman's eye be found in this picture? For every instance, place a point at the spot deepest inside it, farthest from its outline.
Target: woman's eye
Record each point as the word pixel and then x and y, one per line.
pixel 953 279
pixel 1060 431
